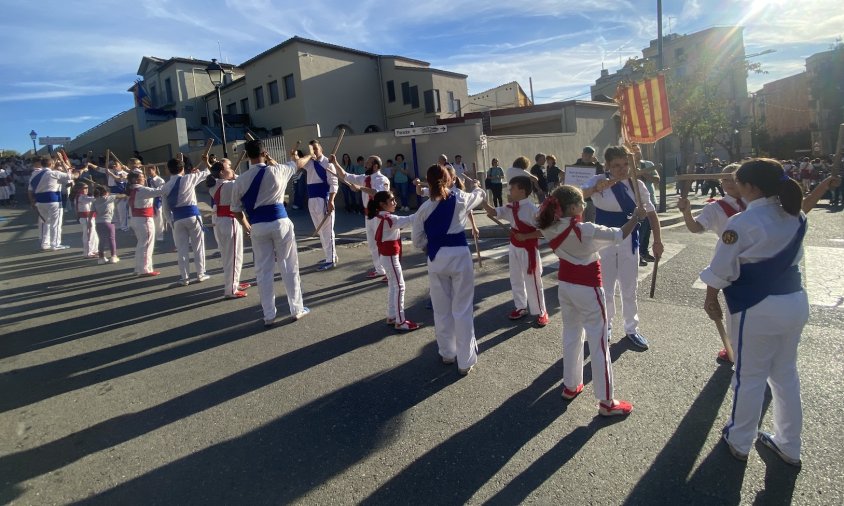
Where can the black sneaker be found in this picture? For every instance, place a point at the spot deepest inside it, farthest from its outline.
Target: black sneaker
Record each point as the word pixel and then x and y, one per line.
pixel 647 257
pixel 638 340
pixel 642 262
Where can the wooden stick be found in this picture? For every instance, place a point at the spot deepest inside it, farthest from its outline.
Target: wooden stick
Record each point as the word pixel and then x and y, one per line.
pixel 339 140
pixel 107 157
pixel 475 237
pixel 725 340
pixel 496 220
pixel 324 219
pixel 653 278
pixel 115 159
pixel 839 152
pixel 695 177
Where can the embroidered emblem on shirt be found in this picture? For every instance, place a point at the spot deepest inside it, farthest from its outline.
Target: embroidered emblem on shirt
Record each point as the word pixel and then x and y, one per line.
pixel 729 236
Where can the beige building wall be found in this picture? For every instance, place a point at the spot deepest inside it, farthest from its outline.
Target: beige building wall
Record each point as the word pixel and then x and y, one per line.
pixel 400 71
pixel 117 134
pixel 784 105
pixel 501 97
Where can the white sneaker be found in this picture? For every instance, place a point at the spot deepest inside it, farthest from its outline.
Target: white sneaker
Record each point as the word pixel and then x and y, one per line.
pixel 61 247
pixel 301 314
pixel 101 261
pixel 202 277
pixel 184 282
pixel 114 259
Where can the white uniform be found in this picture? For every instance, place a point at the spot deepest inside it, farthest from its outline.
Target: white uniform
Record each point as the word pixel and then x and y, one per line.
pixel 524 259
pixel 229 235
pixel 318 202
pixel 620 262
pixel 87 215
pixel 141 207
pixel 187 223
pixel 766 331
pixel 273 240
pixel 451 277
pixel 714 217
pixel 582 301
pixel 47 186
pixel 377 182
pixel 158 219
pixel 389 247
pixel 121 207
pixel 4 185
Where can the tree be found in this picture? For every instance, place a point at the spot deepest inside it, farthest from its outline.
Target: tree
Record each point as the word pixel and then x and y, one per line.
pixel 9 152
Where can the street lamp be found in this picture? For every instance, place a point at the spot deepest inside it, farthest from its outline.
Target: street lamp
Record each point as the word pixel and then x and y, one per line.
pixel 215 73
pixel 33 136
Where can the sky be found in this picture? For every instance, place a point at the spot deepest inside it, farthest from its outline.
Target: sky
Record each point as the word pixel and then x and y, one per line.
pixel 68 64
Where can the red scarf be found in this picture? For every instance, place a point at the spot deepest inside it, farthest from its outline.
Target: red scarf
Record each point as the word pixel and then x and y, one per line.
pixel 730 210
pixel 557 241
pixel 386 248
pixel 531 245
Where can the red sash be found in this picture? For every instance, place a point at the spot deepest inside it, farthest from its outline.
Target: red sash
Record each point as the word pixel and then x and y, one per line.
pixel 386 248
pixel 531 245
pixel 222 211
pixel 586 275
pixel 730 210
pixel 140 212
pixel 86 214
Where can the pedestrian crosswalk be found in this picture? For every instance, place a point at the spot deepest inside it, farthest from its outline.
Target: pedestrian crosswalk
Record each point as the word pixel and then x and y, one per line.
pixel 823 276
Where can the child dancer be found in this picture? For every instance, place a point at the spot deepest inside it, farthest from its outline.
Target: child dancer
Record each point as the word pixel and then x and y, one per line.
pixel 86 214
pixel 524 260
pixel 155 181
pixel 388 238
pixel 227 230
pixel 756 264
pixel 104 209
pixel 143 213
pixel 439 229
pixel 582 299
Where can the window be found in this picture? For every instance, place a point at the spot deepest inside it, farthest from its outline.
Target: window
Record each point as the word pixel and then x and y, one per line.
pixel 429 101
pixel 391 91
pixel 414 97
pixel 405 92
pixel 244 106
pixel 289 87
pixel 437 106
pixel 153 91
pixel 259 97
pixel 457 108
pixel 451 107
pixel 273 87
pixel 168 90
pixel 231 109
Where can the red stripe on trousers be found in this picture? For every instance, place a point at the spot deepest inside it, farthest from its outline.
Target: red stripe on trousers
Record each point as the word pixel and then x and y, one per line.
pixel 603 345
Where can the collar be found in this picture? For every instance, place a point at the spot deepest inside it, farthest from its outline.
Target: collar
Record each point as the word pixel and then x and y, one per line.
pixel 762 201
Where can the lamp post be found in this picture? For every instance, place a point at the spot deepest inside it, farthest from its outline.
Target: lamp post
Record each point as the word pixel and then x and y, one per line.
pixel 215 73
pixel 33 136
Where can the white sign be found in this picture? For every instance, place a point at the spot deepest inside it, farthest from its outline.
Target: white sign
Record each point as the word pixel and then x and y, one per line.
pixel 427 130
pixel 49 141
pixel 483 142
pixel 577 176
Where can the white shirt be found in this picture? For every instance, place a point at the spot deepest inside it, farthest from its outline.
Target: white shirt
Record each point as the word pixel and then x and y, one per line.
pixel 112 181
pixel 377 182
pixel 155 182
pixel 527 213
pixel 52 181
pixel 313 177
pixel 512 172
pixel 583 251
pixel 271 190
pixel 712 216
pixel 761 231
pixel 187 187
pixel 606 199
pixel 393 232
pixel 465 203
pixel 144 196
pixel 226 188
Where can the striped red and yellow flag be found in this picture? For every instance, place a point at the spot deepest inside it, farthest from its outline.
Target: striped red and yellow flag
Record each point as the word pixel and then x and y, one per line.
pixel 644 110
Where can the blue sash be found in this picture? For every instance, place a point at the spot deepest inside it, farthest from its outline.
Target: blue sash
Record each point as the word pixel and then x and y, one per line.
pixel 182 212
pixel 156 201
pixel 319 190
pixel 772 276
pixel 437 224
pixel 262 214
pixel 619 218
pixel 43 197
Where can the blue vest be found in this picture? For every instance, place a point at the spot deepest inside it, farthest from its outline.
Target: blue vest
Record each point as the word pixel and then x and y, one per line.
pixel 437 224
pixel 319 190
pixel 261 214
pixel 182 212
pixel 618 219
pixel 772 276
pixel 43 197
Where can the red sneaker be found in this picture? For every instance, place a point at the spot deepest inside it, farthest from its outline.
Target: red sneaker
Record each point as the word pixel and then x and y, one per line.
pixel 243 286
pixel 517 314
pixel 616 408
pixel 722 356
pixel 407 326
pixel 571 394
pixel 542 320
pixel 372 275
pixel 239 294
pixel 148 274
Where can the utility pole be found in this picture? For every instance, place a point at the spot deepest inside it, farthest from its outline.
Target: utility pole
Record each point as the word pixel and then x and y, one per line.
pixel 658 147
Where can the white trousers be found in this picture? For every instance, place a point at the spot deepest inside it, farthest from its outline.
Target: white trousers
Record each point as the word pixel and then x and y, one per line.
pixel 583 309
pixel 90 240
pixel 4 193
pixel 274 243
pixel 371 226
pixel 144 231
pixel 620 266
pixel 316 207
pixel 158 221
pixel 121 214
pixel 229 235
pixel 395 287
pixel 51 229
pixel 187 232
pixel 765 339
pixel 452 278
pixel 527 288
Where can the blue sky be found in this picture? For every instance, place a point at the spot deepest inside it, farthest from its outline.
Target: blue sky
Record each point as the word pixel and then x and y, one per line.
pixel 68 64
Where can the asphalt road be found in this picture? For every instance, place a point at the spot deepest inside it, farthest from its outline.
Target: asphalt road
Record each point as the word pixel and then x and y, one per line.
pixel 115 390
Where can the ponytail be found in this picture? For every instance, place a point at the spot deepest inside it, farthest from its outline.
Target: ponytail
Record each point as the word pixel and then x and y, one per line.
pixel 436 177
pixel 374 204
pixel 555 205
pixel 769 176
pixel 210 181
pixel 215 171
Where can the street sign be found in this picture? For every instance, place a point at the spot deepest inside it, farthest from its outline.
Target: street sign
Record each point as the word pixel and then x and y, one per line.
pixel 49 141
pixel 483 142
pixel 426 130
